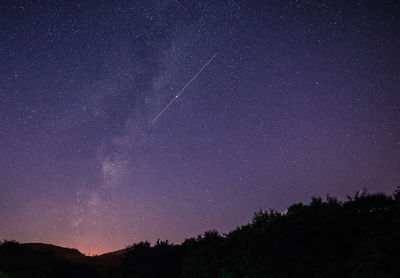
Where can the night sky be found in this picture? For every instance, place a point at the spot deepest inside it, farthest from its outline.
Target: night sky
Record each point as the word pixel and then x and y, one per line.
pixel 302 99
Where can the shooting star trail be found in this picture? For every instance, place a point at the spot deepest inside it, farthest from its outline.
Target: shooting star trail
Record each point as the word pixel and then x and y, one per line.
pixel 181 91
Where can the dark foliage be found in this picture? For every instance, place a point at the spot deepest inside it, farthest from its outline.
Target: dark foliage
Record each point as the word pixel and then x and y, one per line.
pixel 355 238
pixel 162 260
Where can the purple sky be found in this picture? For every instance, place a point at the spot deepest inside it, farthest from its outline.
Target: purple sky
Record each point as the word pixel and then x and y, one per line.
pixel 302 99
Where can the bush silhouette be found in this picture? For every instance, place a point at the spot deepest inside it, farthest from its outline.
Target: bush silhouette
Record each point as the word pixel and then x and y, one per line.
pixel 358 237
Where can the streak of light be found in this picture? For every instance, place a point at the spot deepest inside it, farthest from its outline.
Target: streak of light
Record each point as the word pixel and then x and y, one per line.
pixel 181 91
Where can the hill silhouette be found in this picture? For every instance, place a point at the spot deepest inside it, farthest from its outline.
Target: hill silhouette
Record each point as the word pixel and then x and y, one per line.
pixel 330 238
pixel 57 251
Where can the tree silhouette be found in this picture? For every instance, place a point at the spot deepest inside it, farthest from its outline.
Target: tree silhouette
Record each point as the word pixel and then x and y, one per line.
pixel 358 237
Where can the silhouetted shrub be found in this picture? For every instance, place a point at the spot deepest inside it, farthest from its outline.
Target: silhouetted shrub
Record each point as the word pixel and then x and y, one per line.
pixel 355 238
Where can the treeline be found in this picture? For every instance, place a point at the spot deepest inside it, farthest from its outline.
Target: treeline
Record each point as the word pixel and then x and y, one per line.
pixel 355 238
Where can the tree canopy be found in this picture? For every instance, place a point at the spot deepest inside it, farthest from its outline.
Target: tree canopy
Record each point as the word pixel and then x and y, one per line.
pixel 357 237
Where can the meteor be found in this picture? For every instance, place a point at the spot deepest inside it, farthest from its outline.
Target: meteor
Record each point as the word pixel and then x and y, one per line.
pixel 181 91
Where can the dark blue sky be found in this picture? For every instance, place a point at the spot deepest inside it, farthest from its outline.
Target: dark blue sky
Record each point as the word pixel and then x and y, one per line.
pixel 301 100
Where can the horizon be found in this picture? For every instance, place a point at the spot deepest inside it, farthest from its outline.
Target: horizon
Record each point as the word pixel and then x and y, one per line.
pixel 90 252
pixel 359 233
pixel 128 121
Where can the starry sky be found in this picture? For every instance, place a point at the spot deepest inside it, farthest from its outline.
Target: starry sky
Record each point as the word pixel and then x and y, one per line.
pixel 302 99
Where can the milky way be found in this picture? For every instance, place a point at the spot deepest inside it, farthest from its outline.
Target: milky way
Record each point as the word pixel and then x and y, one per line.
pixel 302 100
